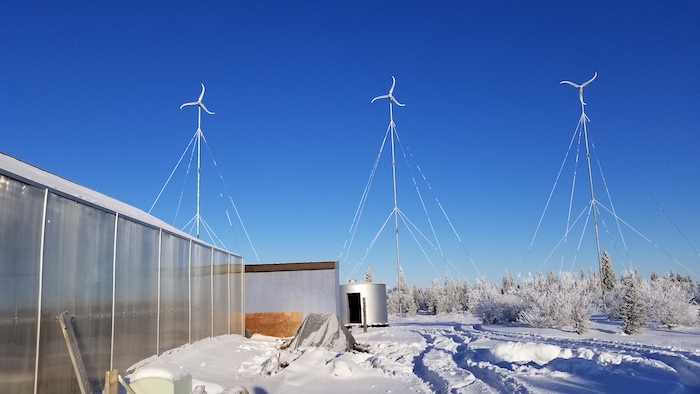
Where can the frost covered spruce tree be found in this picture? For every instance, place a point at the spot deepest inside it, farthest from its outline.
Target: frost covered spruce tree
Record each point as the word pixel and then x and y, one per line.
pixel 452 291
pixel 464 296
pixel 632 307
pixel 607 275
pixel 369 278
pixel 451 297
pixel 609 302
pixel 400 300
pixel 434 298
pixel 419 297
pixel 654 276
pixel 508 285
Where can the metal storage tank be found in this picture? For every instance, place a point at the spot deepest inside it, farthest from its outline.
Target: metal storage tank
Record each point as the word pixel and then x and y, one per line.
pixel 374 295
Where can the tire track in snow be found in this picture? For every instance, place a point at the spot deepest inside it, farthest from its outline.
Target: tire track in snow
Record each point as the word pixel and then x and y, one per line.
pixel 450 364
pixel 436 365
pixel 459 358
pixel 685 363
pixel 444 365
pixel 692 355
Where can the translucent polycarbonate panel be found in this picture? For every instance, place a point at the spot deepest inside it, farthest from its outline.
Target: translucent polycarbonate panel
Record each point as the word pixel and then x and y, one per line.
pixel 21 209
pixel 136 293
pixel 237 301
pixel 174 292
pixel 201 292
pixel 77 278
pixel 220 292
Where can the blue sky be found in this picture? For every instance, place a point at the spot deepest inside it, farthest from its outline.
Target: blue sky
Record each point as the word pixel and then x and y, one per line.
pixel 91 92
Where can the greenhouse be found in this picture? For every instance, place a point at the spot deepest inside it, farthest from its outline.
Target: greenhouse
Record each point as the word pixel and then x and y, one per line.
pixel 133 285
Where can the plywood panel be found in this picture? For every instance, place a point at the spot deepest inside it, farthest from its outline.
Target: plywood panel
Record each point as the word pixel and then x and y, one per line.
pixel 274 324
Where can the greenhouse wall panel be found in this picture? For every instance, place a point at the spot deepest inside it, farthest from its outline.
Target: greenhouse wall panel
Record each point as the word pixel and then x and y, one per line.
pixel 174 324
pixel 220 292
pixel 131 285
pixel 21 211
pixel 77 277
pixel 135 293
pixel 200 277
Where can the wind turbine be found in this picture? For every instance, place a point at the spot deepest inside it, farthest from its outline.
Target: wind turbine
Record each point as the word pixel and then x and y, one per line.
pixel 200 107
pixel 584 119
pixel 392 99
pixel 392 128
pixel 580 93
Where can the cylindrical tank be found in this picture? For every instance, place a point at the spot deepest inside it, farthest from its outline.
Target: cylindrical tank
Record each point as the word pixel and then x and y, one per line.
pixel 351 304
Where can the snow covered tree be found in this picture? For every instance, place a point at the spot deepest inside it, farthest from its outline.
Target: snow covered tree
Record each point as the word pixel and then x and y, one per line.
pixel 369 278
pixel 433 296
pixel 557 302
pixel 465 296
pixel 606 273
pixel 536 291
pixel 583 298
pixel 678 278
pixel 595 289
pixel 400 300
pixel 654 276
pixel 668 302
pixel 486 295
pixel 632 308
pixel 493 307
pixel 550 277
pixel 452 293
pixel 419 297
pixel 508 285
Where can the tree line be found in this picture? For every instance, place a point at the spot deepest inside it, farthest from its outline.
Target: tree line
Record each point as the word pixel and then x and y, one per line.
pixel 565 300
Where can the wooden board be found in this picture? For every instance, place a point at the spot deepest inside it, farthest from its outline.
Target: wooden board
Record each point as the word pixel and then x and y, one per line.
pixel 111 382
pixel 274 324
pixel 76 359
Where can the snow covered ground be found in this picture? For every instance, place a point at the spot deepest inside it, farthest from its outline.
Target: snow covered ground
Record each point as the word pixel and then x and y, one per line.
pixel 451 354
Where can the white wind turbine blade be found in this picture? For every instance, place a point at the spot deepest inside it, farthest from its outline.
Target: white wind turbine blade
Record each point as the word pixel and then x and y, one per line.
pixel 577 86
pixel 390 96
pixel 199 102
pixel 188 104
pixel 205 109
pixel 396 102
pixel 583 85
pixel 580 87
pixel 201 95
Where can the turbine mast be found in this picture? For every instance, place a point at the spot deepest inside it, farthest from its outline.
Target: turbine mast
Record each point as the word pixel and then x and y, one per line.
pixel 392 128
pixel 584 119
pixel 200 106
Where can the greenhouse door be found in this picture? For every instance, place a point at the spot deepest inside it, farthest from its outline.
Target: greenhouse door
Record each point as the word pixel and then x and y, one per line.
pixel 355 308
